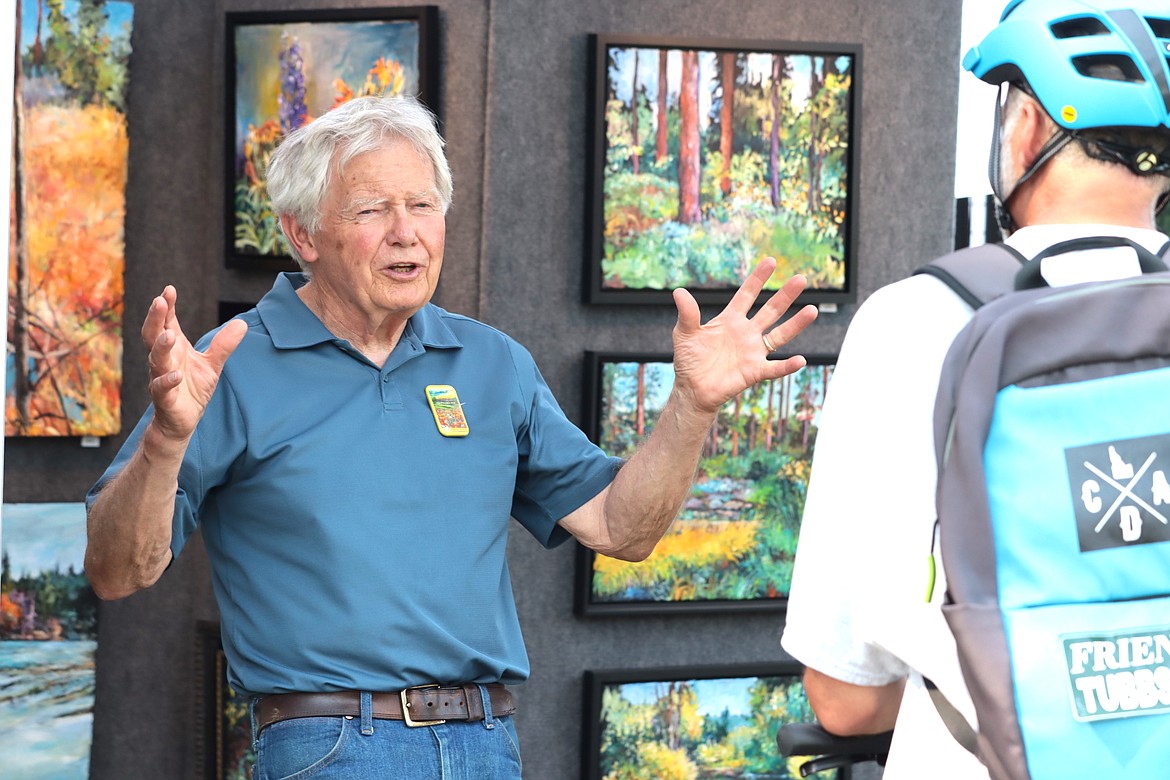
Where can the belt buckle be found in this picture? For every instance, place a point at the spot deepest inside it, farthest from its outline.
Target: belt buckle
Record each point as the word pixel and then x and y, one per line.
pixel 402 695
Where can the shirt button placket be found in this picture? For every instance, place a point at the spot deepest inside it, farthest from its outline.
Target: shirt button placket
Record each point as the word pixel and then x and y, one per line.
pixel 391 398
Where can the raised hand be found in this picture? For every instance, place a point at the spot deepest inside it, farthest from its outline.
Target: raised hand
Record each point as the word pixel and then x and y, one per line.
pixel 716 361
pixel 182 379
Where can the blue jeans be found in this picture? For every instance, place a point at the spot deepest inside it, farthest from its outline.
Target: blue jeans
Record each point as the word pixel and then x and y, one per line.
pixel 364 748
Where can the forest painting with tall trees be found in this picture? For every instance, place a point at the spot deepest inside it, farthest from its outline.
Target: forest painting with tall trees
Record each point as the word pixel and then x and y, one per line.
pixel 693 724
pixel 734 541
pixel 707 158
pixel 63 373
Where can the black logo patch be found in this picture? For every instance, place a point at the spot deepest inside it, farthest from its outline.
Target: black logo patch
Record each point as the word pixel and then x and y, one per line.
pixel 1121 492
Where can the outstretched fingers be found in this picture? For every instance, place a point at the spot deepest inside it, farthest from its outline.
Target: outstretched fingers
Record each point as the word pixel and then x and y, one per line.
pixel 747 294
pixel 780 301
pixel 791 327
pixel 689 317
pixel 781 368
pixel 155 322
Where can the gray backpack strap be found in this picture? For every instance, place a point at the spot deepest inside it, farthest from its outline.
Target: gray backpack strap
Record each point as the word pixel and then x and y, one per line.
pixel 977 274
pixel 960 729
pixel 980 274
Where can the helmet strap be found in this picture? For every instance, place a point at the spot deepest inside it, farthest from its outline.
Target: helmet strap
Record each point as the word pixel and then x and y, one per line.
pixel 1060 139
pixel 1003 217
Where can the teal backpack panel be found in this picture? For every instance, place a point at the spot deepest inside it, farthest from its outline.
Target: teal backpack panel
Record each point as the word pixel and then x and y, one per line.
pixel 1079 502
pixel 1061 487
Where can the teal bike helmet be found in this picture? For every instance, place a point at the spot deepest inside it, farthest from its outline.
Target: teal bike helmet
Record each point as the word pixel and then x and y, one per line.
pixel 1092 65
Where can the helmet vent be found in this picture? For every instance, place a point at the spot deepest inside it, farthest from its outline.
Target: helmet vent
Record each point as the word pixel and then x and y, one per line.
pixel 1161 27
pixel 1081 27
pixel 1111 67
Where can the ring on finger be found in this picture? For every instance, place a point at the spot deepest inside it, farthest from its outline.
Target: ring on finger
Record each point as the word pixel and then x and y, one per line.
pixel 768 344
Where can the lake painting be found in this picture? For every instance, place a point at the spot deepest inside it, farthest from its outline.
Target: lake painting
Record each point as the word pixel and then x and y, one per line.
pixel 48 637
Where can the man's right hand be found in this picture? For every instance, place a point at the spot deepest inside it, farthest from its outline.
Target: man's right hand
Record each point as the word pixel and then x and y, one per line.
pixel 182 379
pixel 129 529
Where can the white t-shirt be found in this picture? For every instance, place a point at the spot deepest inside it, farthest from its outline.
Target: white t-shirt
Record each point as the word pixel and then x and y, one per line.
pixel 857 609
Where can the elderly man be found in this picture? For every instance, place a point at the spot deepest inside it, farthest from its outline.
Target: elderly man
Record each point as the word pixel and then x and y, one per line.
pixel 355 464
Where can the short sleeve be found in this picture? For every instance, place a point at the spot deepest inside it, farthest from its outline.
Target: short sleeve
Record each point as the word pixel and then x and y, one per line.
pixel 559 469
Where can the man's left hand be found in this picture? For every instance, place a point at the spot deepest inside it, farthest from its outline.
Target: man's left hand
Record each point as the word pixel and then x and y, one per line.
pixel 715 362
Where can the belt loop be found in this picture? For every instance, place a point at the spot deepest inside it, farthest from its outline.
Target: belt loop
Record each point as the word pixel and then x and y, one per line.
pixel 252 702
pixel 367 712
pixel 488 721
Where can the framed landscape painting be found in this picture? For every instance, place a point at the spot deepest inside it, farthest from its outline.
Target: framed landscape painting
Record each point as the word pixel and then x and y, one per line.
pixel 702 722
pixel 48 643
pixel 63 362
pixel 286 67
pixel 733 544
pixel 708 155
pixel 224 739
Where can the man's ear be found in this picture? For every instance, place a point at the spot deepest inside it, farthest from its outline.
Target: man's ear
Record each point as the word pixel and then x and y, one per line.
pixel 300 238
pixel 1033 131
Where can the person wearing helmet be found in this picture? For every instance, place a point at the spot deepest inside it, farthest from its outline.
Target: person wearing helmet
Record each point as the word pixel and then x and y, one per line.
pixel 1081 149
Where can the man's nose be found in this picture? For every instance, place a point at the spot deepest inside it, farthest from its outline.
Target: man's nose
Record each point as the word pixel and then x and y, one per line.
pixel 401 228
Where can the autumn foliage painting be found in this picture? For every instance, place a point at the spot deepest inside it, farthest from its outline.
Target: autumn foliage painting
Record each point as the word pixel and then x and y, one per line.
pixel 734 542
pixel 693 724
pixel 285 70
pixel 708 158
pixel 66 253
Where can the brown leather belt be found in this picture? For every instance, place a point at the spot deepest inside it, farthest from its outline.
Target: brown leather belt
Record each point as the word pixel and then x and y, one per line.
pixel 425 705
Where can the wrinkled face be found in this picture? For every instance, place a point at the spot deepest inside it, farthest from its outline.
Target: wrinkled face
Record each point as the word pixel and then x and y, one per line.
pixel 379 250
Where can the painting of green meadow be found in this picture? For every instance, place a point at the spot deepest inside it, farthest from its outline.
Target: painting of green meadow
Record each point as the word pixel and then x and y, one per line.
pixel 714 157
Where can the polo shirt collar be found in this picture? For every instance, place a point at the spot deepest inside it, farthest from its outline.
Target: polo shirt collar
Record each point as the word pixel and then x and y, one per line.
pixel 429 326
pixel 292 325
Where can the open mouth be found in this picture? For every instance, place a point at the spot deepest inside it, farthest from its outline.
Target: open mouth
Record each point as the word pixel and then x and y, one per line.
pixel 402 268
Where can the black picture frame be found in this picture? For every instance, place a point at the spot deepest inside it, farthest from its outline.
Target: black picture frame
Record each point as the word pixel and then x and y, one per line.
pixel 229 309
pixel 251 234
pixel 223 742
pixel 700 687
pixel 733 545
pixel 628 218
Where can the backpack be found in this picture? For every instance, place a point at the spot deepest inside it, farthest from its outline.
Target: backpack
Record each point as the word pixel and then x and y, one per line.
pixel 1052 428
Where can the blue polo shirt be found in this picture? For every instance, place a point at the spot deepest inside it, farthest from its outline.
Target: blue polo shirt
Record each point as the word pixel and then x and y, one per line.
pixel 352 546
